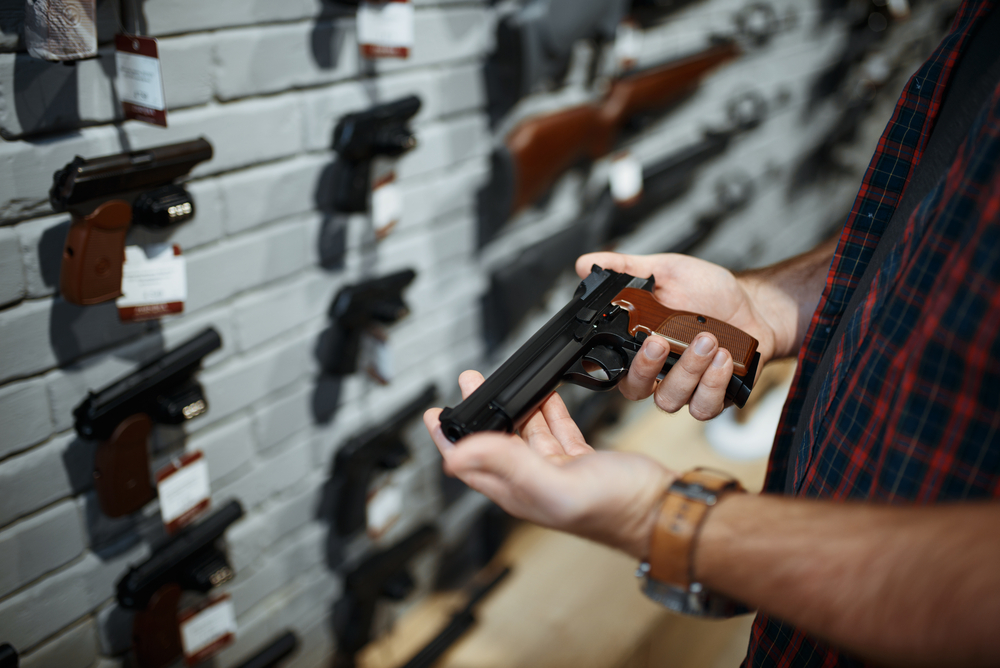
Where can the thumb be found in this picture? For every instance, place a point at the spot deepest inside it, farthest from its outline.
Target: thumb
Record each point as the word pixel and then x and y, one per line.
pixel 640 266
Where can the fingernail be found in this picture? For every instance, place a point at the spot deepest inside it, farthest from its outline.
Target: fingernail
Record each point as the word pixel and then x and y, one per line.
pixel 704 345
pixel 654 349
pixel 719 360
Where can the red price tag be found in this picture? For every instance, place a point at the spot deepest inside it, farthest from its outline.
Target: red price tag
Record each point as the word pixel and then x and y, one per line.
pixel 385 28
pixel 207 629
pixel 184 490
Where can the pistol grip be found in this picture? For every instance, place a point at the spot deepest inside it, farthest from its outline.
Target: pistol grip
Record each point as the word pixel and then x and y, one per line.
pixel 352 185
pixel 94 253
pixel 156 634
pixel 121 468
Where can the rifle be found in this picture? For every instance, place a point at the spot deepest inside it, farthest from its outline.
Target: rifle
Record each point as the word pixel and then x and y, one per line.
pixel 382 574
pixel 274 653
pixel 121 416
pixel 190 561
pixel 360 137
pixel 599 330
pixel 358 459
pixel 104 195
pixel 518 287
pixel 461 621
pixel 541 148
pixel 355 309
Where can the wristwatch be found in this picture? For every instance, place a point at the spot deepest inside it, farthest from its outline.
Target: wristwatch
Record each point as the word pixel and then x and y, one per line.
pixel 669 572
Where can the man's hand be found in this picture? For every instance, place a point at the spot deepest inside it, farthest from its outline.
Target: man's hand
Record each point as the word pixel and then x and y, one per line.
pixel 550 476
pixel 700 376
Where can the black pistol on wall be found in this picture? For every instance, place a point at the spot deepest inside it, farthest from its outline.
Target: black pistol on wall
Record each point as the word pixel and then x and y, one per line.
pixel 121 417
pixel 190 561
pixel 382 574
pixel 361 457
pixel 107 194
pixel 360 137
pixel 356 309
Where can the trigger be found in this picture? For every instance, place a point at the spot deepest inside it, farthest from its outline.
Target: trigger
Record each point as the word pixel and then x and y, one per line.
pixel 608 359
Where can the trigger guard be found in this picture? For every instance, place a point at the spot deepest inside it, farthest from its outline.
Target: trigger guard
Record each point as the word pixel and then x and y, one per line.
pixel 578 375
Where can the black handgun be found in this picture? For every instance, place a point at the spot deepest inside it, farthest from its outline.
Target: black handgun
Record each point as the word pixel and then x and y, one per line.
pixel 190 561
pixel 121 416
pixel 105 195
pixel 461 621
pixel 591 342
pixel 382 574
pixel 8 656
pixel 272 655
pixel 359 137
pixel 356 308
pixel 357 460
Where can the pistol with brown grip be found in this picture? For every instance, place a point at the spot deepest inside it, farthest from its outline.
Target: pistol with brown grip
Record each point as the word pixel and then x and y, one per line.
pixel 591 342
pixel 542 148
pixel 107 194
pixel 121 417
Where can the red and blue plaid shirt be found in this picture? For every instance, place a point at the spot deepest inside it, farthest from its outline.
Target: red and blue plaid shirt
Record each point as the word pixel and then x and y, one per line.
pixel 909 411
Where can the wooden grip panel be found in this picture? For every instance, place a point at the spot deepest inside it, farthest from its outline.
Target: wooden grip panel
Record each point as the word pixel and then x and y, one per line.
pixel 681 327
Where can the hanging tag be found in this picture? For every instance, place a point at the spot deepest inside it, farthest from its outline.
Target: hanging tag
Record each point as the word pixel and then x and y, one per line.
pixel 385 507
pixel 139 81
pixel 385 29
pixel 625 179
pixel 387 205
pixel 377 356
pixel 154 282
pixel 628 45
pixel 184 490
pixel 207 629
pixel 60 30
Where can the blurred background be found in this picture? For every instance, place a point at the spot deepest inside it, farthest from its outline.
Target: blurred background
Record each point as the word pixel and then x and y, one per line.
pixel 226 464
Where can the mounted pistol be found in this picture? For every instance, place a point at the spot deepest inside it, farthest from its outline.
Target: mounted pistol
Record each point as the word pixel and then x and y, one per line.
pixel 360 137
pixel 121 417
pixel 107 194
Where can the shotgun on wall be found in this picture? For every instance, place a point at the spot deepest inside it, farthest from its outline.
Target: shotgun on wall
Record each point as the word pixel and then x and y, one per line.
pixel 542 148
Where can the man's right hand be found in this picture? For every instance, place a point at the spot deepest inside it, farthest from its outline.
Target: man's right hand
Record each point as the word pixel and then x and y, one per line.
pixel 756 303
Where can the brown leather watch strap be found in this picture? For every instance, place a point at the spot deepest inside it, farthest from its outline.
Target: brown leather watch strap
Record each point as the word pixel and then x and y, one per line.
pixel 671 547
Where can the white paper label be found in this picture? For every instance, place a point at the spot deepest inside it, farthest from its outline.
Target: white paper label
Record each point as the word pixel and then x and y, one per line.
pixel 384 508
pixel 185 490
pixel 209 630
pixel 628 45
pixel 387 207
pixel 625 179
pixel 154 282
pixel 385 29
pixel 139 80
pixel 377 355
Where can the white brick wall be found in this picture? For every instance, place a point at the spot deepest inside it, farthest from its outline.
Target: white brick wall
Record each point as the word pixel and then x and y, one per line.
pixel 266 82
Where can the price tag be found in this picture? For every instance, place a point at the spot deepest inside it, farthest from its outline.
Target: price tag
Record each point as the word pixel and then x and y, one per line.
pixel 385 29
pixel 628 45
pixel 900 9
pixel 377 355
pixel 625 179
pixel 385 507
pixel 139 81
pixel 154 282
pixel 207 629
pixel 184 490
pixel 387 205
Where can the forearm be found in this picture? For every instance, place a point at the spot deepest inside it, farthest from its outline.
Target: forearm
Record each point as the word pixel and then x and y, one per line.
pixel 901 586
pixel 786 294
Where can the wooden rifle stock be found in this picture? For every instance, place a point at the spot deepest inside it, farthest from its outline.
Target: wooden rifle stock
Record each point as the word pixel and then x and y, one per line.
pixel 544 147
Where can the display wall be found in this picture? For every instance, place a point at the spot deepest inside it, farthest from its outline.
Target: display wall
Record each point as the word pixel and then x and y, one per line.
pixel 327 347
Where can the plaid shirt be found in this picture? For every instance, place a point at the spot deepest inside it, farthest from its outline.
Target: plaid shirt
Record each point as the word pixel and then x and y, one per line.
pixel 910 409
